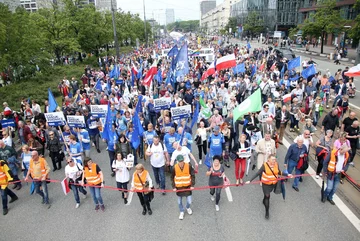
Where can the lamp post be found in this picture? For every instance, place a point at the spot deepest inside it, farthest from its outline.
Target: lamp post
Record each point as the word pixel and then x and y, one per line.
pixel 146 38
pixel 117 49
pixel 345 33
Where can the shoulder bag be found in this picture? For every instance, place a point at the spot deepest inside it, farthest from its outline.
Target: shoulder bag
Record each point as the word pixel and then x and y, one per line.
pixel 150 191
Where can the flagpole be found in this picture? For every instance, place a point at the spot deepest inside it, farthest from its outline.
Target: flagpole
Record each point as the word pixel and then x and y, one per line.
pixel 114 29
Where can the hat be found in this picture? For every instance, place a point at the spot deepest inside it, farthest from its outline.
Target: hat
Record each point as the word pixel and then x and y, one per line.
pixel 216 128
pixel 180 158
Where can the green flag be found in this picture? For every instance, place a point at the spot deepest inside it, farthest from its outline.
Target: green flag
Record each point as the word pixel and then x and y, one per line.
pixel 205 110
pixel 251 104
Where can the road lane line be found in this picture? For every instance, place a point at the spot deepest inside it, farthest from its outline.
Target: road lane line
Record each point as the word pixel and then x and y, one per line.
pixel 339 203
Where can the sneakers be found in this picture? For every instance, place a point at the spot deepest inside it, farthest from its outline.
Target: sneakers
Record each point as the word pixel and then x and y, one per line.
pixel 189 211
pixel 320 175
pixel 200 162
pixel 97 208
pixel 317 176
pixel 102 207
pixel 217 208
pixel 212 198
pixel 331 201
pixel 77 205
pixel 181 216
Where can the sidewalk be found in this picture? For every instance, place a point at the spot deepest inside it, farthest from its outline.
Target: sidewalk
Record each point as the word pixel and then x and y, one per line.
pixel 327 50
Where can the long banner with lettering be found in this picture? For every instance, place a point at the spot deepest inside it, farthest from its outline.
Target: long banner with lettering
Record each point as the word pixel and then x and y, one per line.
pixel 180 112
pixel 55 118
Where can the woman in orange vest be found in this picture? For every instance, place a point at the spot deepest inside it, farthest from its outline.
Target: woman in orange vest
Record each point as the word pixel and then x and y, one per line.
pixel 141 181
pixel 338 163
pixel 5 177
pixel 95 180
pixel 269 173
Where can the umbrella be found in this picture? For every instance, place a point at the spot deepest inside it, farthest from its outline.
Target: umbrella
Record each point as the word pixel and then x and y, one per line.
pixel 353 71
pixel 283 190
pixel 323 189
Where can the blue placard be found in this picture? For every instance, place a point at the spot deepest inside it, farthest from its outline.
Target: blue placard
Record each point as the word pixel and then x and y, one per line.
pixel 7 123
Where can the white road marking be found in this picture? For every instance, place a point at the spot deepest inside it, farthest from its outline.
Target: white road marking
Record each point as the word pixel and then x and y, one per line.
pixel 339 203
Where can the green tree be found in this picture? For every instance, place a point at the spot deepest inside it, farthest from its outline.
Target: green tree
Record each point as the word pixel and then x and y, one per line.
pixel 232 23
pixel 254 24
pixel 355 30
pixel 325 20
pixel 184 26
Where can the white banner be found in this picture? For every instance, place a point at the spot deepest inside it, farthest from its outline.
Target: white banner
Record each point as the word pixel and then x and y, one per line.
pixel 180 112
pixel 76 121
pixel 245 152
pixel 162 103
pixel 98 110
pixel 55 118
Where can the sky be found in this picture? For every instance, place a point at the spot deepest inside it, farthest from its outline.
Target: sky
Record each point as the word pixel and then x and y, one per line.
pixel 184 9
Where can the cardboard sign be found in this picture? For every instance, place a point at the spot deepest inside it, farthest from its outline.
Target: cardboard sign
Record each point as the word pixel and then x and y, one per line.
pixel 98 110
pixel 162 103
pixel 76 121
pixel 180 112
pixel 7 123
pixel 55 118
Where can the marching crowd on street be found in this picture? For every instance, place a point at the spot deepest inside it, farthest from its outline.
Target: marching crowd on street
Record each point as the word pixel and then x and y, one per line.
pixel 224 143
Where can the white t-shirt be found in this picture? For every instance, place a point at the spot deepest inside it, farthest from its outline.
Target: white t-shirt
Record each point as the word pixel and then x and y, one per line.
pixel 184 152
pixel 73 172
pixel 122 173
pixel 340 163
pixel 157 159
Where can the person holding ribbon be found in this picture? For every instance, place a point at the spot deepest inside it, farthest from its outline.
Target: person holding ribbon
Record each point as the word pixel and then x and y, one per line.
pixel 141 182
pixel 269 173
pixel 216 178
pixel 74 172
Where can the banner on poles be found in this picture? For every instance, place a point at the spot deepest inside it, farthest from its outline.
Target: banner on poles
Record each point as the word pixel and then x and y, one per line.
pixel 98 110
pixel 76 121
pixel 180 112
pixel 162 103
pixel 7 123
pixel 55 119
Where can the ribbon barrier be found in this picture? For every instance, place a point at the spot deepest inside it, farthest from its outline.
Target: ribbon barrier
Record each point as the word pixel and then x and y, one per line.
pixel 168 190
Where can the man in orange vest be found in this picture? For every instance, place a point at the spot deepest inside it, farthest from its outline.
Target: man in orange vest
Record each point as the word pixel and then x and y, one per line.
pixel 5 177
pixel 338 163
pixel 39 172
pixel 183 177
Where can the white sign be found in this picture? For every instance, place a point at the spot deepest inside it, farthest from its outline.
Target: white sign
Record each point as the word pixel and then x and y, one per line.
pixel 55 118
pixel 76 121
pixel 277 34
pixel 98 110
pixel 162 103
pixel 180 112
pixel 245 152
pixel 129 161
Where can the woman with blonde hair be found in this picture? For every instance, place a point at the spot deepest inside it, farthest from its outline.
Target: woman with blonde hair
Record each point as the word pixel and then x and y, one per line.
pixel 141 183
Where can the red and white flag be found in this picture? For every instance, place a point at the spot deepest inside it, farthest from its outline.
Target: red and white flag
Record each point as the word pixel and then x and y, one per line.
pixel 65 186
pixel 273 66
pixel 262 67
pixel 211 69
pixel 286 98
pixel 226 62
pixel 134 69
pixel 150 74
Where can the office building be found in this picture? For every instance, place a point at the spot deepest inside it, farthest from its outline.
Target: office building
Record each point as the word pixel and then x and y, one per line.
pixel 29 5
pixel 170 15
pixel 215 20
pixel 105 5
pixel 12 4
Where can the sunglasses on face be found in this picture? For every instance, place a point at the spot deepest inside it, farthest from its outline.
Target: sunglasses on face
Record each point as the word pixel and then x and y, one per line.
pixel 70 161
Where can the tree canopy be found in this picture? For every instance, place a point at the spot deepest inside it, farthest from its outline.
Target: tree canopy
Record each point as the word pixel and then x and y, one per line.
pixel 184 26
pixel 30 40
pixel 254 24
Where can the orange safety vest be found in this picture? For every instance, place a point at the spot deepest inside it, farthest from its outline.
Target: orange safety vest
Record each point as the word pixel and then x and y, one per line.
pixel 42 166
pixel 137 182
pixel 91 176
pixel 182 177
pixel 334 159
pixel 4 175
pixel 268 177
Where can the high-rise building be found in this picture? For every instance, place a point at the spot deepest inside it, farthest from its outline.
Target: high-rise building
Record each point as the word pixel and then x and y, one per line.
pixel 34 5
pixel 206 6
pixel 105 5
pixel 12 4
pixel 170 15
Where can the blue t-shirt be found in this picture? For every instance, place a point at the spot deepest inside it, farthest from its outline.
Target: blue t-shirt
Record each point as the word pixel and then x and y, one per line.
pixel 169 140
pixel 149 135
pixel 85 135
pixel 216 142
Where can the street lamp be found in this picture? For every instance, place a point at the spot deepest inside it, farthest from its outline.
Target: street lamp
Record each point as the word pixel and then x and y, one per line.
pixel 345 32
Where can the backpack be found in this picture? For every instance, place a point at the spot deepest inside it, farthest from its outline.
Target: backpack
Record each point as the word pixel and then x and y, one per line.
pixel 162 145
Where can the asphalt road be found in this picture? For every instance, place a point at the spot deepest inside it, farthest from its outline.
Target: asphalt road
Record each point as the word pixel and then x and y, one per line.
pixel 301 216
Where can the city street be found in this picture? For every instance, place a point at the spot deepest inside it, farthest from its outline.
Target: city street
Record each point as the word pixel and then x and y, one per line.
pixel 301 216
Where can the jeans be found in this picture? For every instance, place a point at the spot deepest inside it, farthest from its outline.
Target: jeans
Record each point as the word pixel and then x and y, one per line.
pixel 4 193
pixel 159 173
pixel 44 192
pixel 152 119
pixel 141 152
pixel 135 156
pixel 95 139
pixel 291 165
pixel 188 203
pixel 76 190
pixel 332 183
pixel 337 98
pixel 293 122
pixel 96 195
pixel 316 117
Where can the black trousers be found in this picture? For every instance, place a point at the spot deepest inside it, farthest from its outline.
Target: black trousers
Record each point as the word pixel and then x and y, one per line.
pixel 55 158
pixel 144 199
pixel 202 148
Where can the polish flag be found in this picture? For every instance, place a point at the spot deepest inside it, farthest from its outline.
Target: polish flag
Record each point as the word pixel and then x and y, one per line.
pixel 261 68
pixel 150 74
pixel 65 186
pixel 204 76
pixel 286 98
pixel 273 66
pixel 226 62
pixel 134 69
pixel 211 69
